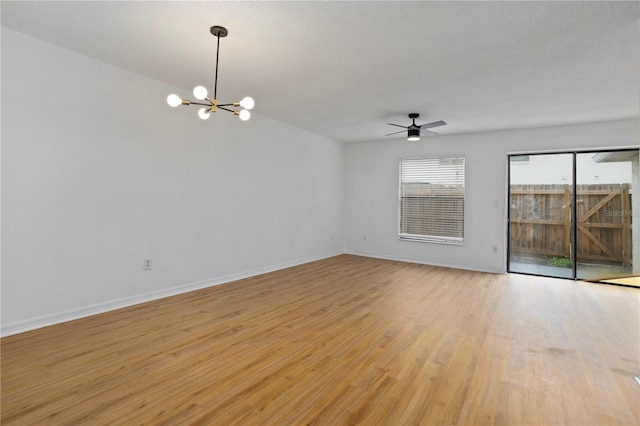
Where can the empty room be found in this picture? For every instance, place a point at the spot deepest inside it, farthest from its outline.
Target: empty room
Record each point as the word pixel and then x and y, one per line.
pixel 314 212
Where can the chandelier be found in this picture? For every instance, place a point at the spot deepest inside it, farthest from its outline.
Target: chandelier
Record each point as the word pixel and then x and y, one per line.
pixel 241 108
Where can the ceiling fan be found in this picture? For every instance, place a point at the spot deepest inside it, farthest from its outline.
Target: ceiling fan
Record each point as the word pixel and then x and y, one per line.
pixel 415 130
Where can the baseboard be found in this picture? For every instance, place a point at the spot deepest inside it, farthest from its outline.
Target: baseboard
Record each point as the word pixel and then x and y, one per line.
pixel 391 256
pixel 98 308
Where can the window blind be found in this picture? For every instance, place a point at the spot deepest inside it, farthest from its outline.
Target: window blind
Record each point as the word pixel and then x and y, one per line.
pixel 432 199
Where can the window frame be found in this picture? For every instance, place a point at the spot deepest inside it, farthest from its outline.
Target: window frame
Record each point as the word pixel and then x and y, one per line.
pixel 438 239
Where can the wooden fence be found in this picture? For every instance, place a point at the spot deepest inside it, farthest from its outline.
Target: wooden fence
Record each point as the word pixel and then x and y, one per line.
pixel 541 216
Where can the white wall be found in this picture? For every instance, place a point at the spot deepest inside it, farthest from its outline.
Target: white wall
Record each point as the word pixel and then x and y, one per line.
pixel 99 173
pixel 371 209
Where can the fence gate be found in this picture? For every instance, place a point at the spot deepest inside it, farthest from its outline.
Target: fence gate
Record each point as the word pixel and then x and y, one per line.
pixel 541 219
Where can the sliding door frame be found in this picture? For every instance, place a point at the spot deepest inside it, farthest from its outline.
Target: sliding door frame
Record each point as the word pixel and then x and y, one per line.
pixel 574 210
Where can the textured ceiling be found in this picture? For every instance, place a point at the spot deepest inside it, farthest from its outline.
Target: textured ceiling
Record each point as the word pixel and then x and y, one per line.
pixel 344 69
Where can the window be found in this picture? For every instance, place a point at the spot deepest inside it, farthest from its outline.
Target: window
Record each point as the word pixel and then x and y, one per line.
pixel 432 200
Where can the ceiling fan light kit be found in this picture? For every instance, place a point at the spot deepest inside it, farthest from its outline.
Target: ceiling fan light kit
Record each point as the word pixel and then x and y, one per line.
pixel 209 105
pixel 414 131
pixel 413 135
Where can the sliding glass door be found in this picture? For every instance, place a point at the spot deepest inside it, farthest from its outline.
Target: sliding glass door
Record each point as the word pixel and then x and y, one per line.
pixel 571 214
pixel 604 188
pixel 540 219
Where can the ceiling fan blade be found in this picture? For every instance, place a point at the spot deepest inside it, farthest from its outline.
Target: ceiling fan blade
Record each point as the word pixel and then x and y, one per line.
pixel 427 133
pixel 434 124
pixel 395 133
pixel 391 124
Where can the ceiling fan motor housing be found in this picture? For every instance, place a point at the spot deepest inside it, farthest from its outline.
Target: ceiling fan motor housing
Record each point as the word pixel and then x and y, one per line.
pixel 413 133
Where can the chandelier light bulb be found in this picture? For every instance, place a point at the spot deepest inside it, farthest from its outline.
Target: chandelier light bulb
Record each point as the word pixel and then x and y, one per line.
pixel 244 115
pixel 200 92
pixel 174 100
pixel 247 102
pixel 203 113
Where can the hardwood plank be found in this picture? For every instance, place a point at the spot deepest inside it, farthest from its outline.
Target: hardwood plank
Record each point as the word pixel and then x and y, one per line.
pixel 346 340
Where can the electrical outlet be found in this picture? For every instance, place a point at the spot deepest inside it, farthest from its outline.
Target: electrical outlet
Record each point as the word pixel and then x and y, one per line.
pixel 146 264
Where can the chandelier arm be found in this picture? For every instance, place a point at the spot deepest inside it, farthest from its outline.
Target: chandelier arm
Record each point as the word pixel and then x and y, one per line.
pixel 226 109
pixel 199 103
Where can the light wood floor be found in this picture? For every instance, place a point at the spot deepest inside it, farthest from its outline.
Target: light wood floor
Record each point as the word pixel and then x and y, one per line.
pixel 347 340
pixel 632 281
